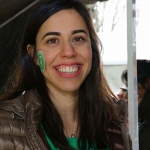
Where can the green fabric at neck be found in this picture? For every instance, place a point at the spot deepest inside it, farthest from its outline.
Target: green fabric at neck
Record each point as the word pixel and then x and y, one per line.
pixel 73 142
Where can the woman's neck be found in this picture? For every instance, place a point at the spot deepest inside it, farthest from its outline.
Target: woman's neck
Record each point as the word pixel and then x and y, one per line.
pixel 65 103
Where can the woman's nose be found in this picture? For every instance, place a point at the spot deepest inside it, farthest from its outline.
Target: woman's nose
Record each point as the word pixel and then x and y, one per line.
pixel 68 50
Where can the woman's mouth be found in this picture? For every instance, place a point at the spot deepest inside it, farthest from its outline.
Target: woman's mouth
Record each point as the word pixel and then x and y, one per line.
pixel 68 69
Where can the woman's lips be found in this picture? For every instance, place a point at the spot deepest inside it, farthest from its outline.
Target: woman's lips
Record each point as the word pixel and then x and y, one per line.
pixel 68 70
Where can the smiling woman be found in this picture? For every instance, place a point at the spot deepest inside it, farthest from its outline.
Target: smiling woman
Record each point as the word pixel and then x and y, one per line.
pixel 67 51
pixel 61 99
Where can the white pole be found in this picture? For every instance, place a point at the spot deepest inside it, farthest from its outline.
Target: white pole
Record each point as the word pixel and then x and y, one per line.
pixel 132 73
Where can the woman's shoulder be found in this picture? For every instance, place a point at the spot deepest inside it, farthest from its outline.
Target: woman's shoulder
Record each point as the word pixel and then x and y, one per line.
pixel 18 104
pixel 118 127
pixel 12 123
pixel 119 111
pixel 13 106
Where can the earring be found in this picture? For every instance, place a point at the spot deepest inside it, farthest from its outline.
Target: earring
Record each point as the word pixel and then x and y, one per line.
pixel 41 60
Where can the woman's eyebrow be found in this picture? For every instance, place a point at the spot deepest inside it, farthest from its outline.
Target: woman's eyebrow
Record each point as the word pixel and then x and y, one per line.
pixel 58 33
pixel 51 33
pixel 79 31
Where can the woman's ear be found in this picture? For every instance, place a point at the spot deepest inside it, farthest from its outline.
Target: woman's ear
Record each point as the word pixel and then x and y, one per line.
pixel 30 50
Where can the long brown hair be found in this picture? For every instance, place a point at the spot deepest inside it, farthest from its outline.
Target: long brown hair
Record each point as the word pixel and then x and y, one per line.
pixel 95 96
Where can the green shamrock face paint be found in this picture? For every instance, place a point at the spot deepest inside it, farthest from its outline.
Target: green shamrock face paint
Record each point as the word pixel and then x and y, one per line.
pixel 41 60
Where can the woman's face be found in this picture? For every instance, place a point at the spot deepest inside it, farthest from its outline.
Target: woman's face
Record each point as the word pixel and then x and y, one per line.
pixel 64 39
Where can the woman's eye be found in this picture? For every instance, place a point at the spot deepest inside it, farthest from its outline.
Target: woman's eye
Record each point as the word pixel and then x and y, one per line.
pixel 53 40
pixel 78 39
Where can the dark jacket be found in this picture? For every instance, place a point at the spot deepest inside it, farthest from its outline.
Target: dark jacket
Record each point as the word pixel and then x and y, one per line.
pixel 20 119
pixel 144 122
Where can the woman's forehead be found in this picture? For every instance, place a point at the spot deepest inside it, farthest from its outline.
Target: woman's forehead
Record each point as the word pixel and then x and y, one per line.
pixel 64 21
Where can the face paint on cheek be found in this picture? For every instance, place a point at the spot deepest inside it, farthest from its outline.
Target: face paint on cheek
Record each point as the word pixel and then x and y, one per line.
pixel 41 60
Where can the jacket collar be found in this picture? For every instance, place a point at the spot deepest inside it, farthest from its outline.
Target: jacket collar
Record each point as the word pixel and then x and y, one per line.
pixel 33 106
pixel 119 111
pixel 31 102
pixel 14 105
pixel 21 104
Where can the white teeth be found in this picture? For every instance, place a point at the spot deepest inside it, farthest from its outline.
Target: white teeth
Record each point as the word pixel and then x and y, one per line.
pixel 68 70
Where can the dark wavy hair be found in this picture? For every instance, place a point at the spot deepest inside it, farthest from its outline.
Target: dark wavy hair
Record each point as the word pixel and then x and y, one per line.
pixel 143 71
pixel 124 77
pixel 95 96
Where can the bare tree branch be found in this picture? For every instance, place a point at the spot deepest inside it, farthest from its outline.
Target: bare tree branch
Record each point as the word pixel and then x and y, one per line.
pixel 98 16
pixel 114 23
